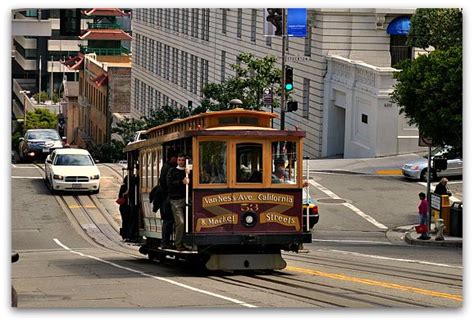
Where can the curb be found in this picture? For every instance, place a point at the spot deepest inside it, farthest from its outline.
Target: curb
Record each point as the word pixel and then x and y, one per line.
pixel 338 171
pixel 432 242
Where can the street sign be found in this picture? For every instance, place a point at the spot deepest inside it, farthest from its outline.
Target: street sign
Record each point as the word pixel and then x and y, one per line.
pixel 435 201
pixel 267 96
pixel 424 141
pixel 297 22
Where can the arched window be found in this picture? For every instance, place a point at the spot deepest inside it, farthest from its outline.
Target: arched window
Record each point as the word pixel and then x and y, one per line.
pixel 398 30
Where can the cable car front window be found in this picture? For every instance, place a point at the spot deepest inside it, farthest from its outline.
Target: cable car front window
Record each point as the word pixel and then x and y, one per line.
pixel 284 162
pixel 213 162
pixel 249 163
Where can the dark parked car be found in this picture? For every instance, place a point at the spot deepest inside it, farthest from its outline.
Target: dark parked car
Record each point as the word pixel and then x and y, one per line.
pixel 38 143
pixel 313 211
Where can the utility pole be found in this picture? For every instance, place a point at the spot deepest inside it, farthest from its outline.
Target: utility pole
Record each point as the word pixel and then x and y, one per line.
pixel 428 187
pixel 39 92
pixel 284 40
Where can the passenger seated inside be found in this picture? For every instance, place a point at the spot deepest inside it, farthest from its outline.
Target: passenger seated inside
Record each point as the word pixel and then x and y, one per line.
pixel 280 175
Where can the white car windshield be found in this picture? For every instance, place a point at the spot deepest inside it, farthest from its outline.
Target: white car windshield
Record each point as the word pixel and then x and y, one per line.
pixel 73 160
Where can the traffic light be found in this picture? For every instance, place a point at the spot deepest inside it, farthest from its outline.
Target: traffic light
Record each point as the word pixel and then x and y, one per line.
pixel 274 16
pixel 440 163
pixel 288 78
pixel 291 106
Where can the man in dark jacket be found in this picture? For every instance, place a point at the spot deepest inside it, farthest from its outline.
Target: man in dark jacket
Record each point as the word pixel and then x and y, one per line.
pixel 177 181
pixel 442 187
pixel 165 209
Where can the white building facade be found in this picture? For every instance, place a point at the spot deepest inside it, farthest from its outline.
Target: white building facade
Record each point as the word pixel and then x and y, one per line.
pixel 342 71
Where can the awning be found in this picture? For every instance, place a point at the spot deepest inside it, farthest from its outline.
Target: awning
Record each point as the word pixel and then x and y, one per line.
pixel 399 26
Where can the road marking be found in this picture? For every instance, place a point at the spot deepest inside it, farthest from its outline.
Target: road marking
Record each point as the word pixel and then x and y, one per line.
pixel 352 241
pixel 24 167
pixel 394 259
pixel 78 206
pixel 366 281
pixel 348 205
pixel 389 172
pixel 156 277
pixel 26 177
pixel 433 186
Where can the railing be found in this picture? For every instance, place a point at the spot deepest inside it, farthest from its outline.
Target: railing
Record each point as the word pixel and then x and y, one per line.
pixel 104 51
pixel 92 25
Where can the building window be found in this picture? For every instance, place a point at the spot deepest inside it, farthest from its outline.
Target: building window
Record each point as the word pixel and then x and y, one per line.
pixel 223 66
pixel 194 67
pixel 268 41
pixel 365 119
pixel 204 74
pixel 399 50
pixel 307 39
pixel 224 21
pixel 184 70
pixel 253 31
pixel 239 23
pixel 306 84
pixel 205 24
pixel 185 21
pixel 195 23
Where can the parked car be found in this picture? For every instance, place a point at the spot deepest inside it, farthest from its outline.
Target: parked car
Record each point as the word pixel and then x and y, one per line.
pixel 418 169
pixel 313 211
pixel 37 143
pixel 72 170
pixel 123 163
pixel 139 136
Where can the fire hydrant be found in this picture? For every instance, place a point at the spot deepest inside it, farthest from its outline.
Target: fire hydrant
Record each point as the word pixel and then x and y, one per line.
pixel 439 229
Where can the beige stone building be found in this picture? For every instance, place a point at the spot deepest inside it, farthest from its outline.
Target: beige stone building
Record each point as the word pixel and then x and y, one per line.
pixel 342 70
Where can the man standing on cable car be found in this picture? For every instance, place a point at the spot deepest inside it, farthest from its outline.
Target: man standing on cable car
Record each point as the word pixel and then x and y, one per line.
pixel 177 181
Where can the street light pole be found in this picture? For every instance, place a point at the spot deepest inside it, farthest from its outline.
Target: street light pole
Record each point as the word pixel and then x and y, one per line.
pixel 283 76
pixel 24 92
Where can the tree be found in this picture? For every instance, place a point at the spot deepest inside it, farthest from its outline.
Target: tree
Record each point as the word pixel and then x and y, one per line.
pixel 429 88
pixel 40 118
pixel 252 75
pixel 440 28
pixel 127 127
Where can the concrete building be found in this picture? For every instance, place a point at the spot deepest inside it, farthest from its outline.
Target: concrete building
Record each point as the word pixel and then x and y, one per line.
pixel 103 90
pixel 342 70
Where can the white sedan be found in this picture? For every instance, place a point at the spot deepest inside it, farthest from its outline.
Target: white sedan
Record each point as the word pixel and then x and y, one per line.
pixel 72 170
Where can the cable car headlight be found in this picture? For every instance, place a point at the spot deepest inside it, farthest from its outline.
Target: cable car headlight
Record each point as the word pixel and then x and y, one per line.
pixel 249 219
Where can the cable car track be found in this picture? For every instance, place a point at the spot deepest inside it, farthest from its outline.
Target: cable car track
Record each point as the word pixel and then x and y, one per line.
pixel 364 267
pixel 97 226
pixel 88 214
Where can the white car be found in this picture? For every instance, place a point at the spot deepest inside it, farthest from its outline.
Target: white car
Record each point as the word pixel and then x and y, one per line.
pixel 72 170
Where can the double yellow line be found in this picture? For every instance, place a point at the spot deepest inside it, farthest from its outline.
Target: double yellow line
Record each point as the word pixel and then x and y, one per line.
pixel 375 283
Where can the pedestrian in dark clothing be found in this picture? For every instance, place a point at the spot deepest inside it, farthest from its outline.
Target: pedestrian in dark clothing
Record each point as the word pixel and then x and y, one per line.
pixel 177 181
pixel 442 188
pixel 423 212
pixel 165 209
pixel 124 208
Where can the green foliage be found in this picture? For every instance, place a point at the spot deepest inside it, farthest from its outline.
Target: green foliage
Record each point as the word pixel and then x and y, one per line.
pixel 40 118
pixel 127 128
pixel 440 28
pixel 43 95
pixel 107 152
pixel 16 139
pixel 429 88
pixel 252 75
pixel 429 91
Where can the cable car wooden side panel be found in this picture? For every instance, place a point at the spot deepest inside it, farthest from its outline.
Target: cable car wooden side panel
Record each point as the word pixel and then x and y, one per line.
pixel 245 200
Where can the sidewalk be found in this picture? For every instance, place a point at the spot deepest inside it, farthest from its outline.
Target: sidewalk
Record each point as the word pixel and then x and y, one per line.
pixel 383 166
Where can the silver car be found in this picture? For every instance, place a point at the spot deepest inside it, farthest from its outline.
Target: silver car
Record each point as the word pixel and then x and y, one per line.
pixel 417 169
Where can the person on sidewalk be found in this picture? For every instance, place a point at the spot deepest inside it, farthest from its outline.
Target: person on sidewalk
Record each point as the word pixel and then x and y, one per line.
pixel 442 188
pixel 423 212
pixel 177 181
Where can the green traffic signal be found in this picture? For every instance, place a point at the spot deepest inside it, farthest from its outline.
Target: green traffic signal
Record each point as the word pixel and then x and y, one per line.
pixel 288 78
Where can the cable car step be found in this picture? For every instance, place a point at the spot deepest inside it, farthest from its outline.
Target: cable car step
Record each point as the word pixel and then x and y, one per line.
pixel 245 262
